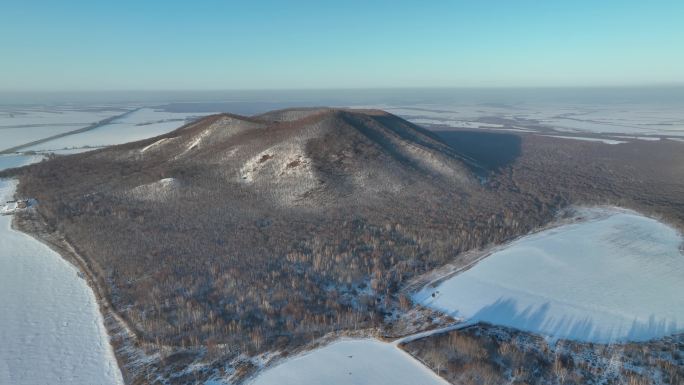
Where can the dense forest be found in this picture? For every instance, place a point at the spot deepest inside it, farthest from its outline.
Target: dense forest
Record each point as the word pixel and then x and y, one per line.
pixel 491 355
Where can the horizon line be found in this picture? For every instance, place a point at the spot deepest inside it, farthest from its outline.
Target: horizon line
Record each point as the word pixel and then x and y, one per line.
pixel 379 88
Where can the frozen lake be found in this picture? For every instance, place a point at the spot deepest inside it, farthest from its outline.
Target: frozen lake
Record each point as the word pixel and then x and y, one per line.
pixel 615 275
pixel 351 362
pixel 51 330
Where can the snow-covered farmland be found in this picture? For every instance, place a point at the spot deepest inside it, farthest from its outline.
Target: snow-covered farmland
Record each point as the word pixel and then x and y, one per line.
pixel 611 275
pixel 25 125
pixel 54 116
pixel 51 331
pixel 353 362
pixel 11 137
pixel 590 116
pixel 140 124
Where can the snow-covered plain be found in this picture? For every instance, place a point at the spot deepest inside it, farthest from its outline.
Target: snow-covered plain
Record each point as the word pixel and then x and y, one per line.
pixel 456 123
pixel 24 125
pixel 51 330
pixel 54 116
pixel 11 137
pixel 606 141
pixel 635 119
pixel 352 362
pixel 613 275
pixel 15 160
pixel 140 124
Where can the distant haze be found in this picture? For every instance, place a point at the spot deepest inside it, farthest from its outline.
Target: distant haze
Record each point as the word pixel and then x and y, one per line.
pixel 256 101
pixel 211 44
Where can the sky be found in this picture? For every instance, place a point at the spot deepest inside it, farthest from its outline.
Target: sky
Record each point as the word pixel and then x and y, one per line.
pixel 71 45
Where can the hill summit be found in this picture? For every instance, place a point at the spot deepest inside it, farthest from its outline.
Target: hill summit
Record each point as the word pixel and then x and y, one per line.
pixel 302 157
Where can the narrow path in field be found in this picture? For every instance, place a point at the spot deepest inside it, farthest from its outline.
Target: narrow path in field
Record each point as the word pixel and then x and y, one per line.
pixel 68 133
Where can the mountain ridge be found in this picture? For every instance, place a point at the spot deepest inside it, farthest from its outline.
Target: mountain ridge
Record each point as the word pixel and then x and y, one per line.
pixel 316 155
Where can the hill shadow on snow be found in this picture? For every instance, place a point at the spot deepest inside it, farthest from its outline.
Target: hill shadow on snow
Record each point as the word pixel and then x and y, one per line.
pixel 492 150
pixel 543 318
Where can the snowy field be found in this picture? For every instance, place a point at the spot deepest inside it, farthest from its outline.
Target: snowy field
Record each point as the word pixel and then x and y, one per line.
pixel 614 275
pixel 13 117
pixel 24 125
pixel 351 362
pixel 12 137
pixel 51 330
pixel 600 118
pixel 606 141
pixel 11 161
pixel 140 124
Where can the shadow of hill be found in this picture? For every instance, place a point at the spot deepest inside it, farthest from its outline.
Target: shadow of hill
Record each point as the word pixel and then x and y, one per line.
pixel 540 319
pixel 491 149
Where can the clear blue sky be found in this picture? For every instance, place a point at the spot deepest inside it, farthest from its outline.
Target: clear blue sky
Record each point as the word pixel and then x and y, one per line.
pixel 146 44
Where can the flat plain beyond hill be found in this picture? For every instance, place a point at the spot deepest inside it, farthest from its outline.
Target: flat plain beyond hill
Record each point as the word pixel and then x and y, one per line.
pixel 233 241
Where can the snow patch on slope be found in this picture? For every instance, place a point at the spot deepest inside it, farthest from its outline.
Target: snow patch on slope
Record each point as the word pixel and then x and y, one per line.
pixel 285 166
pixel 156 191
pixel 220 130
pixel 197 140
pixel 153 145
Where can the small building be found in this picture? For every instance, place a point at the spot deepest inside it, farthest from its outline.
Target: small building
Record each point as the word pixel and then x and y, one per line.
pixel 11 207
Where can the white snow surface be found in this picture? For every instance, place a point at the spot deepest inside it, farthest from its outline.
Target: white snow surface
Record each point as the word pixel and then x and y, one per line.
pixel 288 165
pixel 646 138
pixel 153 145
pixel 140 124
pixel 606 141
pixel 645 118
pixel 157 191
pixel 11 137
pixel 25 125
pixel 16 160
pixel 51 330
pixel 613 275
pixel 353 362
pixel 456 123
pixel 53 116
